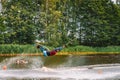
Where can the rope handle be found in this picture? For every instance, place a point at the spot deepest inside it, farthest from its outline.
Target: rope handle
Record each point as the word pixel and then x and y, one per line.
pixel 70 41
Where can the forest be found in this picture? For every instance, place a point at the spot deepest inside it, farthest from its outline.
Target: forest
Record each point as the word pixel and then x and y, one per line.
pixel 86 22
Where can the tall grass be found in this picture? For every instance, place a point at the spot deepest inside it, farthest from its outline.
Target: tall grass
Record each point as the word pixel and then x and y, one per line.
pixel 79 49
pixel 15 48
pixel 108 49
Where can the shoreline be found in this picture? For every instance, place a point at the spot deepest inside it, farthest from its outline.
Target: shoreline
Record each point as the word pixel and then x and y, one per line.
pixel 61 53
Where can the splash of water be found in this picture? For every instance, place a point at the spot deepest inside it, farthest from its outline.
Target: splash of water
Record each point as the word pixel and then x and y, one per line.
pixel 33 70
pixel 109 72
pixel 33 63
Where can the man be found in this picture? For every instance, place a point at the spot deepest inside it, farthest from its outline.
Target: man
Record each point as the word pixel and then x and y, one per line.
pixel 47 52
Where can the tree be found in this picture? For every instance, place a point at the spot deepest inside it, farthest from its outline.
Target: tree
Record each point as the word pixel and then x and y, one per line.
pixel 87 22
pixel 49 22
pixel 19 21
pixel 99 22
pixel 2 29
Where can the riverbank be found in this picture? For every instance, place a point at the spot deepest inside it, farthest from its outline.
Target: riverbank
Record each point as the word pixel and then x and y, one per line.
pixel 62 53
pixel 75 50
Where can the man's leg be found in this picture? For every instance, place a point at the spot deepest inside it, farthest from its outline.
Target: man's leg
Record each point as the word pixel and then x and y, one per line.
pixel 45 53
pixel 43 48
pixel 58 48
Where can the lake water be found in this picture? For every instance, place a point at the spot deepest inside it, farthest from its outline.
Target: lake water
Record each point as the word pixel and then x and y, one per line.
pixel 90 67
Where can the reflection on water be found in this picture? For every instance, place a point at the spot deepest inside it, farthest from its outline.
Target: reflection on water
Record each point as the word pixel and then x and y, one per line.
pixel 60 61
pixel 54 61
pixel 70 67
pixel 76 60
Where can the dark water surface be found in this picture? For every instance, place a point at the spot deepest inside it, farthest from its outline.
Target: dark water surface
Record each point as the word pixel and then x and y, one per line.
pixel 90 67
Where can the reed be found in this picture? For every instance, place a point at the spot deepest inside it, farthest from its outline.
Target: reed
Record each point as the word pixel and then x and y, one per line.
pixel 15 48
pixel 79 49
pixel 27 49
pixel 108 49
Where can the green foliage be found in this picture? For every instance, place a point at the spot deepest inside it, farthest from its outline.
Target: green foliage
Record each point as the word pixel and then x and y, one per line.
pixel 86 22
pixel 18 22
pixel 2 29
pixel 100 21
pixel 14 48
